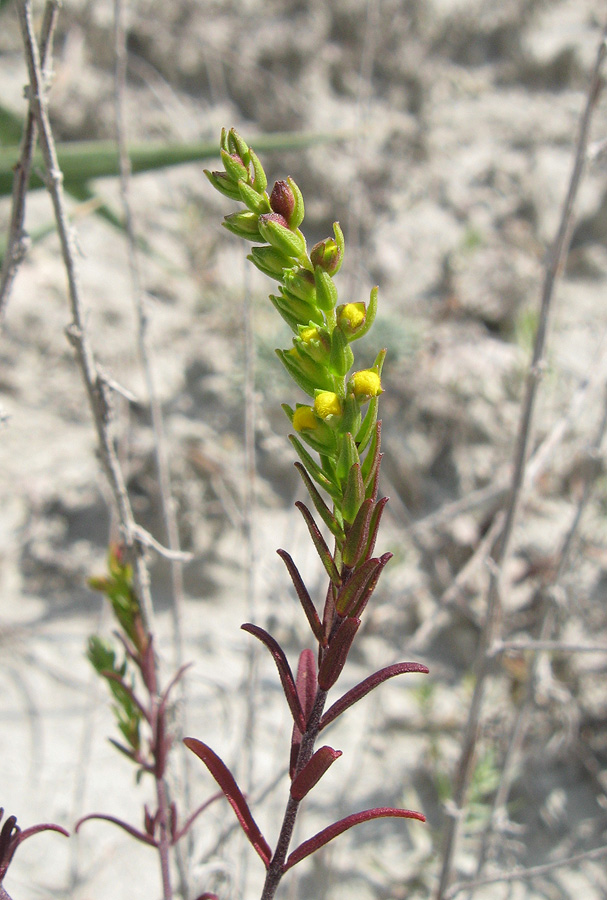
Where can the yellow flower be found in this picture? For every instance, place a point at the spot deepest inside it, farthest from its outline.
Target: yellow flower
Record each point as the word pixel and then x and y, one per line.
pixel 327 404
pixel 309 334
pixel 304 419
pixel 353 314
pixel 366 384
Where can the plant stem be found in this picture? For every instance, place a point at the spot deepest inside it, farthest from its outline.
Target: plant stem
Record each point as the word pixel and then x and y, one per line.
pixel 275 869
pixel 164 842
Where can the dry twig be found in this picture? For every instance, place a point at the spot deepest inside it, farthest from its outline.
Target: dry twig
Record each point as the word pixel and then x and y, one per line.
pixel 489 635
pixel 17 243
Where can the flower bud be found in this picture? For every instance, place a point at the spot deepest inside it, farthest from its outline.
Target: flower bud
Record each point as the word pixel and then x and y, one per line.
pixel 327 404
pixel 224 184
pixel 269 261
pixel 257 202
pixel 329 254
pixel 275 230
pixel 282 200
pixel 301 283
pixel 234 166
pixel 308 374
pixel 326 292
pixel 365 385
pixel 236 146
pixel 243 224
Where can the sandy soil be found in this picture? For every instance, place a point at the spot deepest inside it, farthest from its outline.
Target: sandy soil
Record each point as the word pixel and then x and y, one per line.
pixel 462 116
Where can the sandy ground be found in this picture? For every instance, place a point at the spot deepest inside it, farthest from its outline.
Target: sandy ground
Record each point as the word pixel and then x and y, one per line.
pixel 463 118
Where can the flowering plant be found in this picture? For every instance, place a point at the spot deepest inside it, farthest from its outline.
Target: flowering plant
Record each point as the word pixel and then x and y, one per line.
pixel 339 424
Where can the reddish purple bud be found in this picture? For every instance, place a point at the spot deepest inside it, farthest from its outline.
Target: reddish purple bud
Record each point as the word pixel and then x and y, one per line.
pixel 276 217
pixel 313 771
pixel 282 200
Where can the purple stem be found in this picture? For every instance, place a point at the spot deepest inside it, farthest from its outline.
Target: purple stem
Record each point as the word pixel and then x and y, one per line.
pixel 306 750
pixel 164 839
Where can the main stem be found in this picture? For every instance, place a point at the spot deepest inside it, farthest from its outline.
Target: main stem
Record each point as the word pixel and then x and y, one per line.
pixel 164 843
pixel 306 749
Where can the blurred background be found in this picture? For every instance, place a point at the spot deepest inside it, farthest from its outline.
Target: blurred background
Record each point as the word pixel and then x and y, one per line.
pixel 445 141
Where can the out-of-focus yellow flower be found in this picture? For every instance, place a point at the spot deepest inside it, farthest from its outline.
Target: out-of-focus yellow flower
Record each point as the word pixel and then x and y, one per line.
pixel 366 384
pixel 327 404
pixel 304 419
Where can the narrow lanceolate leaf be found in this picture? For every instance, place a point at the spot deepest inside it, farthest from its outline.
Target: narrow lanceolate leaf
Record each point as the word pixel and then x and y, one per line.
pixel 302 593
pixel 313 771
pixel 284 671
pixel 306 682
pixel 319 504
pixel 227 783
pixel 319 542
pixel 314 469
pixel 359 606
pixel 354 494
pixel 349 595
pixel 260 182
pixel 244 225
pixel 367 428
pixel 323 837
pixel 336 655
pixel 372 452
pixel 374 525
pixel 307 687
pixel 372 479
pixel 360 690
pixel 357 537
pixel 134 832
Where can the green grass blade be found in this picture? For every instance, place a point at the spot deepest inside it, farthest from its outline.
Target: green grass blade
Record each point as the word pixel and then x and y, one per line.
pixel 81 161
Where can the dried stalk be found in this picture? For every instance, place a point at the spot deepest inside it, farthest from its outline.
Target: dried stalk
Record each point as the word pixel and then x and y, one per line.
pixel 501 551
pixel 95 384
pixel 525 712
pixel 17 243
pixel 525 874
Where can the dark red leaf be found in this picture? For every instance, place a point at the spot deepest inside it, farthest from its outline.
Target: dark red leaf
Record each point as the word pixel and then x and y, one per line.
pixel 306 682
pixel 306 685
pixel 227 783
pixel 313 771
pixel 284 671
pixel 319 542
pixel 353 588
pixel 360 690
pixel 302 593
pixel 336 655
pixel 357 536
pixel 374 525
pixel 134 832
pixel 323 837
pixel 357 609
